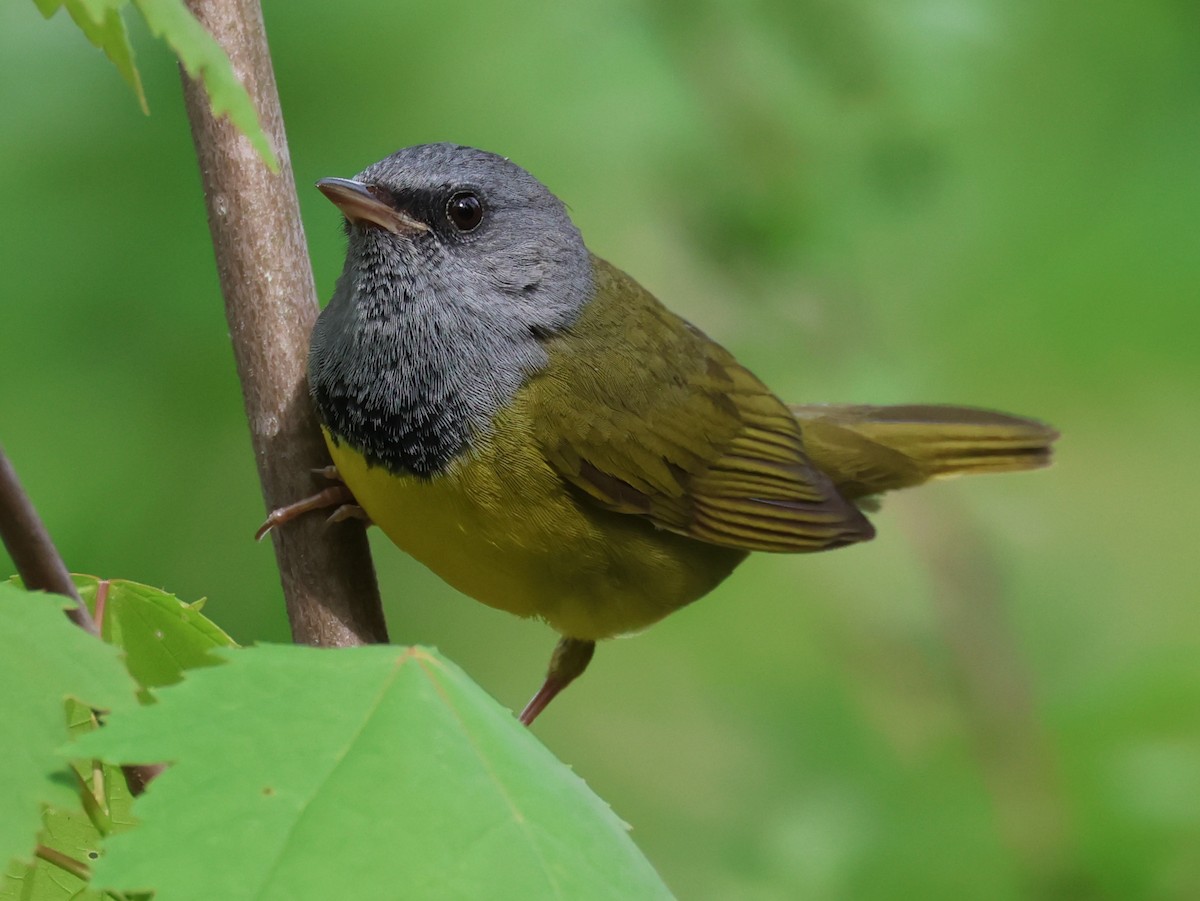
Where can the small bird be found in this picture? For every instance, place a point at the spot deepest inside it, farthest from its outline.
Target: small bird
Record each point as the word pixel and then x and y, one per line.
pixel 534 426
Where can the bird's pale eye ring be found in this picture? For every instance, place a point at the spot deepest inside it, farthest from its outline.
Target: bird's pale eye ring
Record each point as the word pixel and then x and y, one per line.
pixel 465 210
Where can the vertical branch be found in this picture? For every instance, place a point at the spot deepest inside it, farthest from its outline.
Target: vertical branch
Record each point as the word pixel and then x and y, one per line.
pixel 270 303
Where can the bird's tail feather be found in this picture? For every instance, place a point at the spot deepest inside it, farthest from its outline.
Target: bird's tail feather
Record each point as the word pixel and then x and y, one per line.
pixel 868 450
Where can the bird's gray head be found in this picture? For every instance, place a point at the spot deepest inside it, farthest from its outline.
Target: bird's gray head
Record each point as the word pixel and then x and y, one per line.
pixel 459 264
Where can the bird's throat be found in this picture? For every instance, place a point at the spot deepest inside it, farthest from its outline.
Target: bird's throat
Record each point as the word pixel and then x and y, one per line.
pixel 410 390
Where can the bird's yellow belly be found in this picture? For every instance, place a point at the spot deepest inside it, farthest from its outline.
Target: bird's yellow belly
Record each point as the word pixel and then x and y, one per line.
pixel 499 525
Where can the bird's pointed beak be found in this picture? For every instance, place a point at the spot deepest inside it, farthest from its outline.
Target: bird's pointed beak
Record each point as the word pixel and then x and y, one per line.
pixel 367 205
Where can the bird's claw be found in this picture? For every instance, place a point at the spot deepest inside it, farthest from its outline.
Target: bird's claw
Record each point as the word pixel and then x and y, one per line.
pixel 337 496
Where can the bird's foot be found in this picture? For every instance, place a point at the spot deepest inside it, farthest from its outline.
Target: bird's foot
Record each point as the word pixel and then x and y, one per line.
pixel 571 657
pixel 337 496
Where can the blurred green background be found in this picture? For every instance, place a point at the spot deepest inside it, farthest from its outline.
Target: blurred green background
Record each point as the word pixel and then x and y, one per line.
pixel 969 201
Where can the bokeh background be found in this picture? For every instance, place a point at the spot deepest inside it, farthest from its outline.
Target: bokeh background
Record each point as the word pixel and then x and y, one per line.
pixel 969 201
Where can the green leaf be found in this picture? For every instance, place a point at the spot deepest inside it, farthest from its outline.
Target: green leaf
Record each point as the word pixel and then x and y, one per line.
pixel 70 832
pixel 203 58
pixel 101 23
pixel 198 52
pixel 113 807
pixel 354 773
pixel 45 662
pixel 161 635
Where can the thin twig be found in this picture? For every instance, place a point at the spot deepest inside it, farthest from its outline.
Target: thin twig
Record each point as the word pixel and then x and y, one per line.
pixel 270 303
pixel 62 861
pixel 41 568
pixel 33 553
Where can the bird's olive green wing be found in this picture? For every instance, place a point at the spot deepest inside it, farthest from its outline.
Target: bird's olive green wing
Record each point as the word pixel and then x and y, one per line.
pixel 643 414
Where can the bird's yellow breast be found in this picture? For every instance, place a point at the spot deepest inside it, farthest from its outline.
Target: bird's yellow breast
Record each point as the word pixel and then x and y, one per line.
pixel 501 526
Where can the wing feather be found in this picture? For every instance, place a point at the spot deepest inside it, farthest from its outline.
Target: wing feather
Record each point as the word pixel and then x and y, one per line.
pixel 646 415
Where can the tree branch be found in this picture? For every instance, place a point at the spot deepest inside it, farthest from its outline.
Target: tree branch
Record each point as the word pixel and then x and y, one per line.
pixel 42 569
pixel 33 553
pixel 270 303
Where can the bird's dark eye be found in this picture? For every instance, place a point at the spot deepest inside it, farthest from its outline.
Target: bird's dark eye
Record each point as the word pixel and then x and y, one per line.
pixel 465 211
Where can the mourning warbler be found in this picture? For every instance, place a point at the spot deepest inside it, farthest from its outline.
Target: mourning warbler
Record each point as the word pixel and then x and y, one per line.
pixel 535 427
